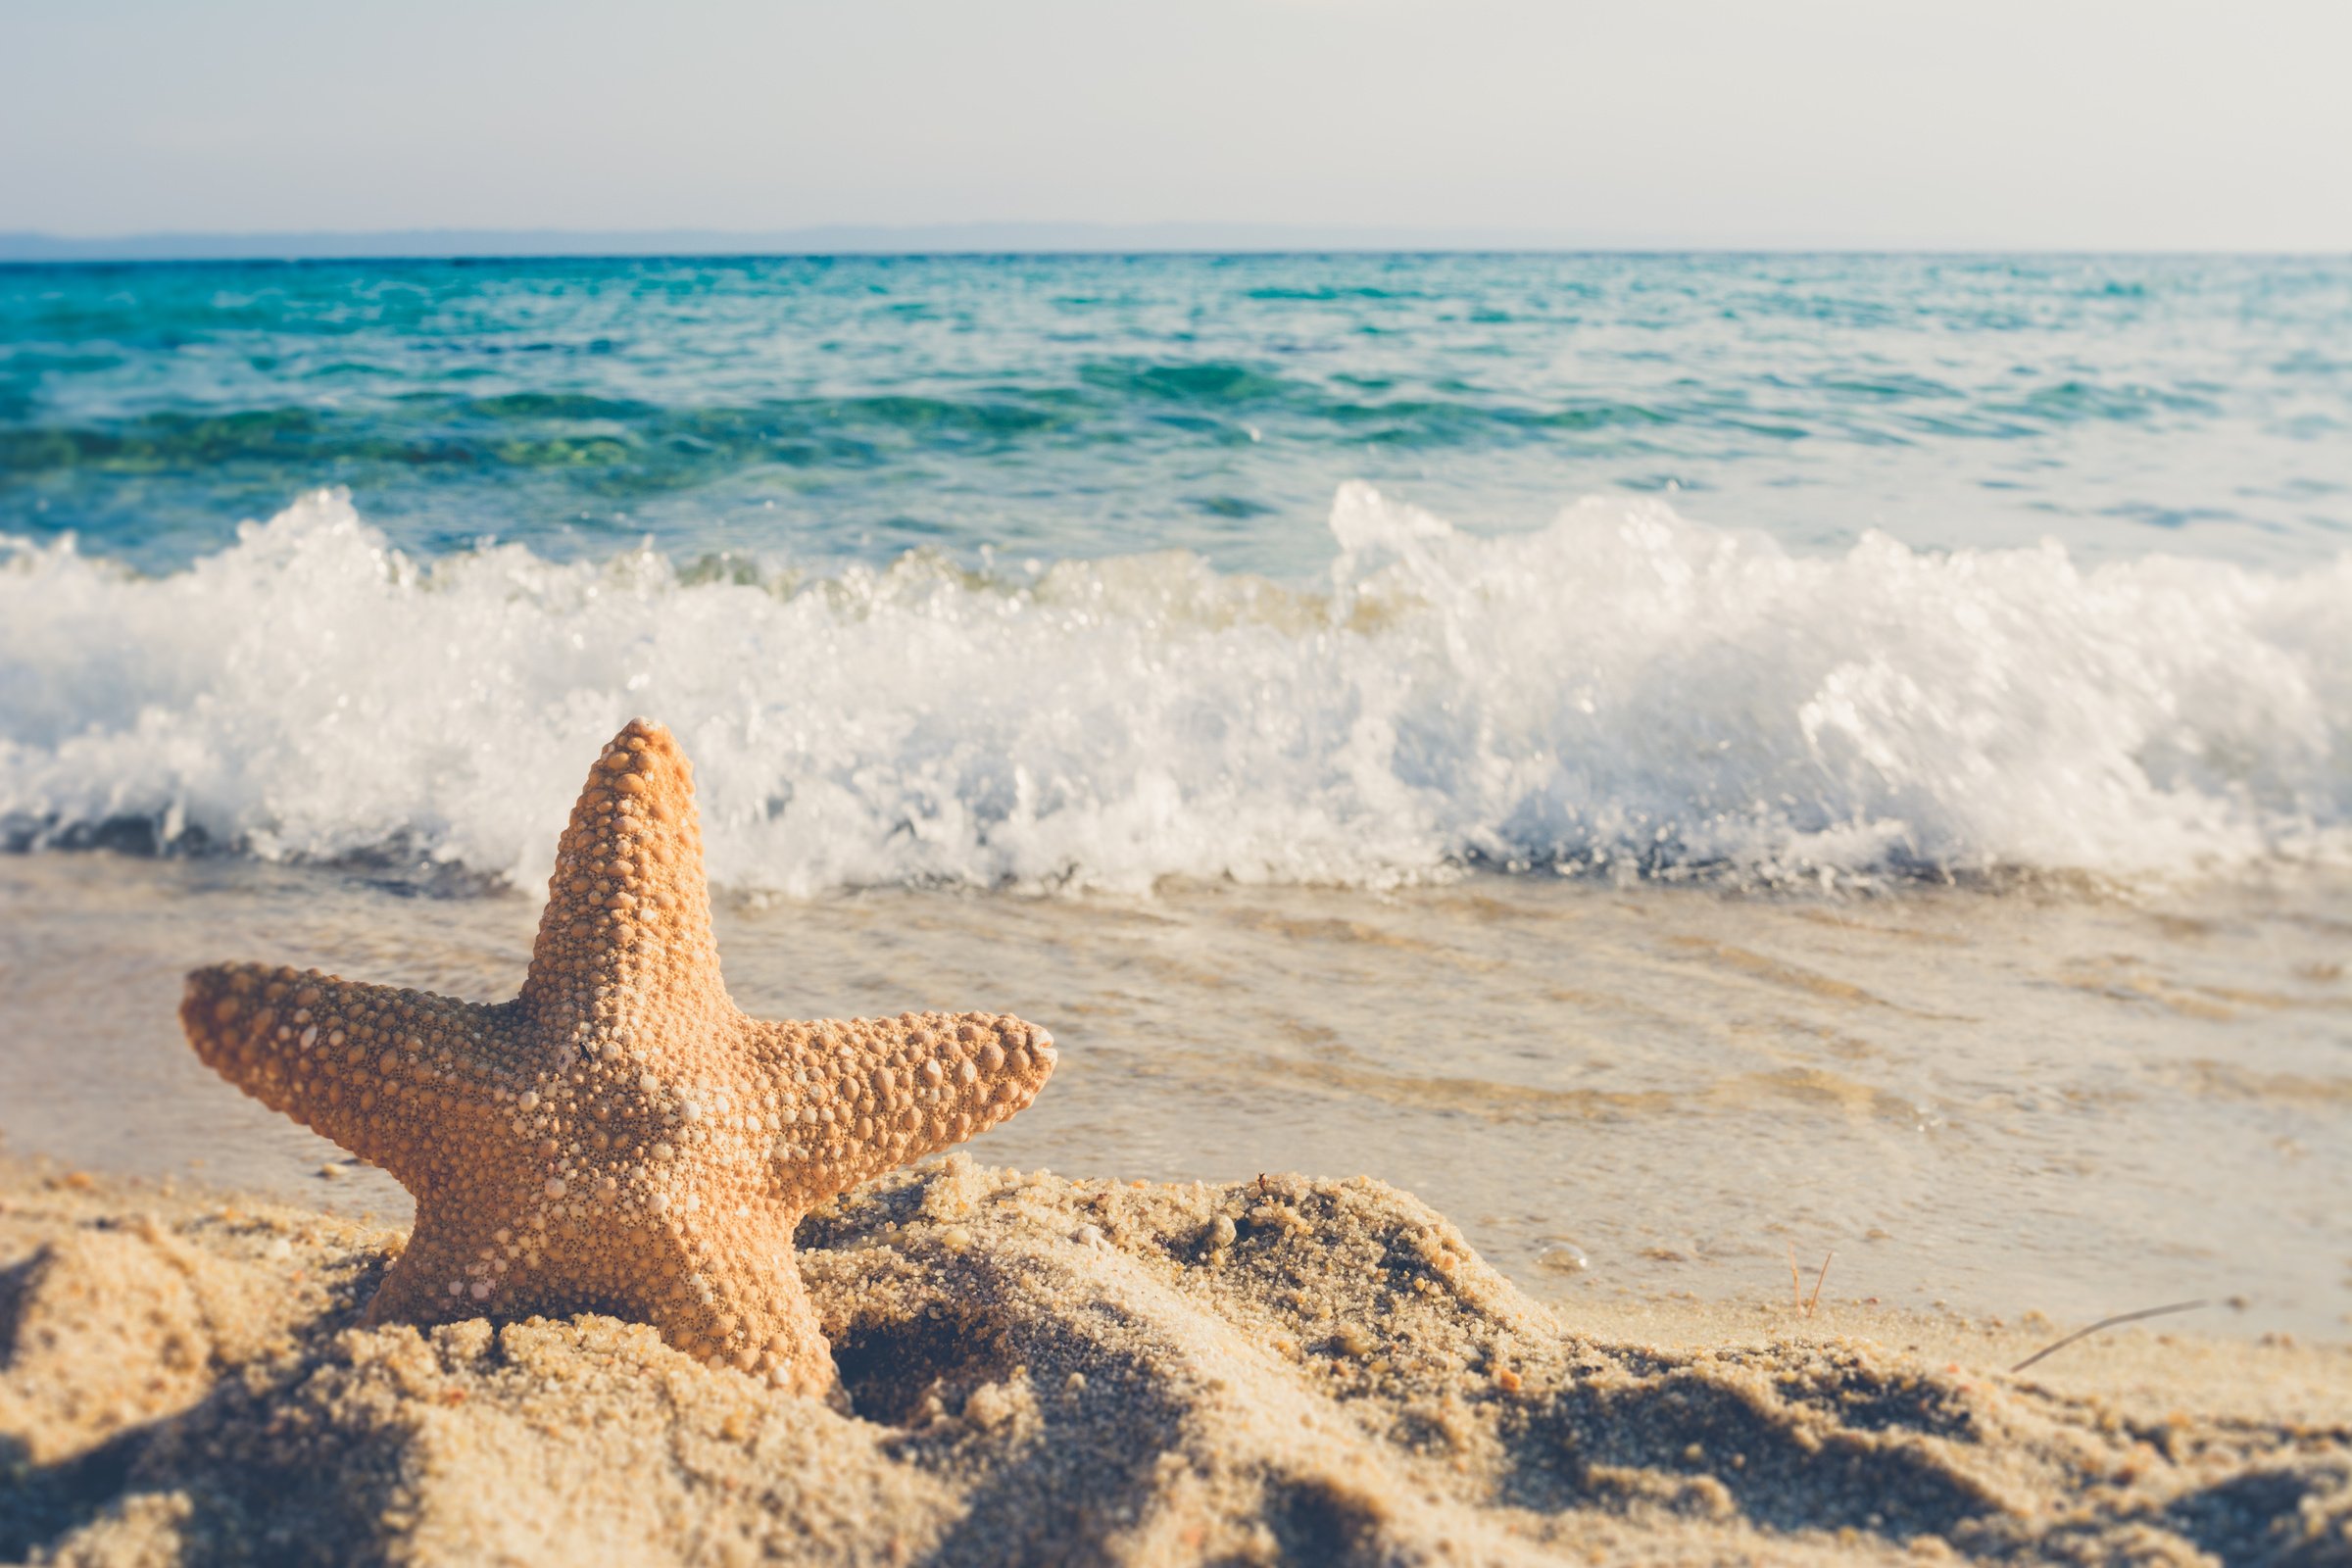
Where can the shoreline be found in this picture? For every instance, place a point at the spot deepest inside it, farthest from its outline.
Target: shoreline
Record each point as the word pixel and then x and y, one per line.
pixel 1973 1098
pixel 1049 1369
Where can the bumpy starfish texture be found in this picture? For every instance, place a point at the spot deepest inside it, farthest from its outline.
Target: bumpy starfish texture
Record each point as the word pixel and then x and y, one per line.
pixel 618 1138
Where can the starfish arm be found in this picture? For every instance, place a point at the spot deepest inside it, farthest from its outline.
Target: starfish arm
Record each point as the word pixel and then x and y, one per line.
pixel 465 1258
pixel 627 909
pixel 380 1070
pixel 858 1099
pixel 739 1300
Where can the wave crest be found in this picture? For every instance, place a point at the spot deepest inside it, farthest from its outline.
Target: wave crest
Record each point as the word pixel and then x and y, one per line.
pixel 1625 690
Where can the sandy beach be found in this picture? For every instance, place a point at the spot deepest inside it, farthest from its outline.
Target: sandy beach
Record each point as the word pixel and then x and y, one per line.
pixel 1043 1369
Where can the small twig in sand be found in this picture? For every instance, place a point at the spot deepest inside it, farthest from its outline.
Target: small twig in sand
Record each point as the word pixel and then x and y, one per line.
pixel 2108 1323
pixel 1797 1284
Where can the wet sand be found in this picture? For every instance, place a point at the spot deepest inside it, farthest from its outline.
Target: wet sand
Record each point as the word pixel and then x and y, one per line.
pixel 1990 1099
pixel 1040 1369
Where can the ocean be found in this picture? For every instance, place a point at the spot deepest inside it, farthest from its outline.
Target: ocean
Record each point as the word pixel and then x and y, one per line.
pixel 1674 758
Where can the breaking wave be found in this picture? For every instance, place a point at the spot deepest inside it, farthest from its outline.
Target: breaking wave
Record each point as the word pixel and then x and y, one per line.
pixel 1625 691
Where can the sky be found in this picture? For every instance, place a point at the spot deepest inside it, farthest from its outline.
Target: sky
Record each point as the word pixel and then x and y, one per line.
pixel 2026 123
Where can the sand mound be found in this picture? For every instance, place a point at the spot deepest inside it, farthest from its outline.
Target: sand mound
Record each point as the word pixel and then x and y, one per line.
pixel 1043 1370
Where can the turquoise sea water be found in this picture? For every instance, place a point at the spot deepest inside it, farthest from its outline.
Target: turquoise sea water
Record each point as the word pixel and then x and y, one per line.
pixel 828 410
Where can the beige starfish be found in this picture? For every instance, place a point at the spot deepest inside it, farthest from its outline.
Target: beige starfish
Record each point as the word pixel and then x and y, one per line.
pixel 619 1137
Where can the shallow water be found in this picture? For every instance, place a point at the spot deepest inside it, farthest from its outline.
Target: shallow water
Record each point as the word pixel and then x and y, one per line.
pixel 2003 1101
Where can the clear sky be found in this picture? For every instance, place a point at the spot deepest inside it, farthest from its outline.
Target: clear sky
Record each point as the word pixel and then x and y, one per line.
pixel 1897 122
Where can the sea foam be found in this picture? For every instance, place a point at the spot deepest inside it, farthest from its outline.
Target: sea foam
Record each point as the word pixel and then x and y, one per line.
pixel 1625 691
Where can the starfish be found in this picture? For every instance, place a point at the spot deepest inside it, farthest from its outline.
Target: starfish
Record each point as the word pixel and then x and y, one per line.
pixel 619 1137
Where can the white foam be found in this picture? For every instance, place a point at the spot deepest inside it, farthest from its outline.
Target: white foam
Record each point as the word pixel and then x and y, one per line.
pixel 1625 688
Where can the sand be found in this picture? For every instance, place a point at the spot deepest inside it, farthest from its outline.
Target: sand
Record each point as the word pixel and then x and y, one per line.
pixel 1046 1371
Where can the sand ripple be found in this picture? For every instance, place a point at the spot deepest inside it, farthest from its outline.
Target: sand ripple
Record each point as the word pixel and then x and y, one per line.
pixel 1043 1370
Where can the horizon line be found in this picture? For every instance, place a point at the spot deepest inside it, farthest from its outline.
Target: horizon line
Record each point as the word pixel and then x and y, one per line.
pixel 916 240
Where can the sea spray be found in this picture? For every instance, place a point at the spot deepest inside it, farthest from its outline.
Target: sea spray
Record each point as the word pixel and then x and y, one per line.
pixel 1625 691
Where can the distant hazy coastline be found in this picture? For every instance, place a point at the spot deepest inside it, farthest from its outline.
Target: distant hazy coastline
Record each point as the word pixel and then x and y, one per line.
pixel 834 240
pixel 23 246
